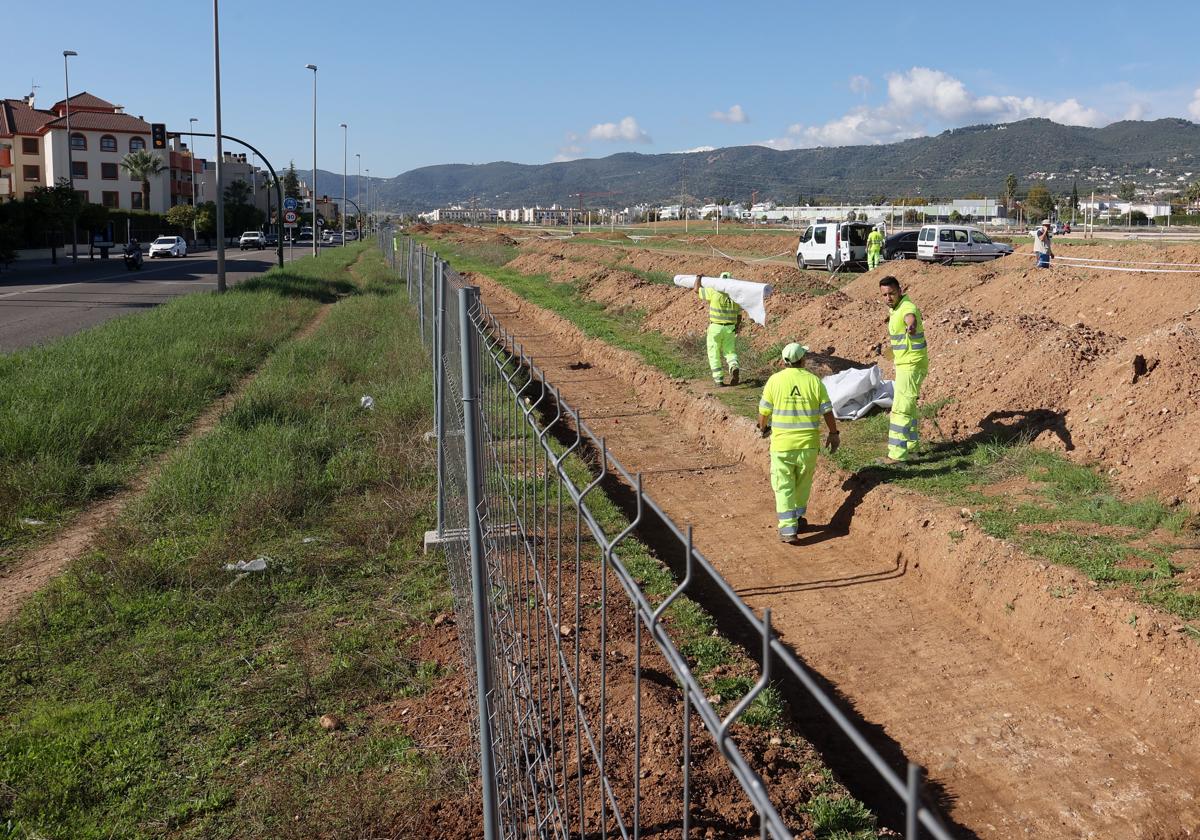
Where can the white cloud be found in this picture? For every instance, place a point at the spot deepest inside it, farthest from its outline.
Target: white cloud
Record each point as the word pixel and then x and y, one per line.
pixel 733 115
pixel 1137 111
pixel 859 84
pixel 697 149
pixel 922 100
pixel 626 130
pixel 1194 107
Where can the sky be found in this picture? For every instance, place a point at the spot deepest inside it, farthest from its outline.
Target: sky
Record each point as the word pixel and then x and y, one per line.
pixel 473 82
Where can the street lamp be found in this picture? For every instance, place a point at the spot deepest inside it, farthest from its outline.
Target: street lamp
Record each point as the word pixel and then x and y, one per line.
pixel 345 135
pixel 70 159
pixel 358 193
pixel 219 197
pixel 192 164
pixel 368 201
pixel 313 68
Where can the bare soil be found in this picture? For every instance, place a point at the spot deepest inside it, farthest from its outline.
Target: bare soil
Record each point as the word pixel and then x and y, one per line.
pixel 1027 694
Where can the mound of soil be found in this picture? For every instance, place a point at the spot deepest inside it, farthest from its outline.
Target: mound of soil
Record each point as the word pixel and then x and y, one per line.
pixel 1055 352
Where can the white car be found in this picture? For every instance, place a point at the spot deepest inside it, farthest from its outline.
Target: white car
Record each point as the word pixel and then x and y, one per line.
pixel 168 246
pixel 252 239
pixel 958 243
pixel 833 245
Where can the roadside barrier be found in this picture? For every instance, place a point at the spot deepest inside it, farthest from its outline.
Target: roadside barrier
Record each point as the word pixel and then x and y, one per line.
pixel 524 539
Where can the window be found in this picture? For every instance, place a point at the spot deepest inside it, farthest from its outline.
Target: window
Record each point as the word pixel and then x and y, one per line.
pixel 960 236
pixel 33 173
pixel 83 196
pixel 819 234
pixel 29 145
pixel 108 171
pixel 78 142
pixel 108 143
pixel 110 198
pixel 135 200
pixel 79 169
pixel 136 144
pixel 980 238
pixel 946 235
pixel 807 236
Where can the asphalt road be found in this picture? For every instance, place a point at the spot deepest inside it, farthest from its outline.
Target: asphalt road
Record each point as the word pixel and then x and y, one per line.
pixel 41 305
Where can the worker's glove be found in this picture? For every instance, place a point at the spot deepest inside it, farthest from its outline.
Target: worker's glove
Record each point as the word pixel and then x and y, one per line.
pixel 833 441
pixel 765 432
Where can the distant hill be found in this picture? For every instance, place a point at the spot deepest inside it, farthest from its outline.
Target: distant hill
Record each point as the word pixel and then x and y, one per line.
pixel 961 161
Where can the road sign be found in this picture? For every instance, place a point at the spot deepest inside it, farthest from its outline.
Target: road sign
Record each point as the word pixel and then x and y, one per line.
pixel 290 203
pixel 291 225
pixel 289 217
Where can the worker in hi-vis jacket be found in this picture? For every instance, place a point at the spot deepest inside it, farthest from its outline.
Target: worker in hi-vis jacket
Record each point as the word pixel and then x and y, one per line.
pixel 793 403
pixel 724 321
pixel 874 247
pixel 910 353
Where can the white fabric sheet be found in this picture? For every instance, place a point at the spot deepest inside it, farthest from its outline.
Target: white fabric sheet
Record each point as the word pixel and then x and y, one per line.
pixel 747 294
pixel 856 391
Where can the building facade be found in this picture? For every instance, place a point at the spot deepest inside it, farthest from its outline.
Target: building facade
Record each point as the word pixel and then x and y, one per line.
pixel 22 161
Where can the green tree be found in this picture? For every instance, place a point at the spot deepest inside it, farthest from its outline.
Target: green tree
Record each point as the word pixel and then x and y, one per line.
pixel 291 182
pixel 182 216
pixel 206 218
pixel 1075 195
pixel 1039 203
pixel 1010 189
pixel 1137 217
pixel 851 216
pixel 51 208
pixel 910 217
pixel 141 166
pixel 1127 191
pixel 240 214
pixel 955 216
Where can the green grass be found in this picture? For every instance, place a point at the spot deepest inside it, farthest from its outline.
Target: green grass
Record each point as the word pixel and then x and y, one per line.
pixel 952 473
pixel 148 692
pixel 79 416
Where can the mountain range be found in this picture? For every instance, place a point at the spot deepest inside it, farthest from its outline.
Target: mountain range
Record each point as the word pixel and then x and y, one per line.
pixel 958 162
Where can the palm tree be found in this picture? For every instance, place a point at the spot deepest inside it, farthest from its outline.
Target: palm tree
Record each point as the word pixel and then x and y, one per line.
pixel 141 165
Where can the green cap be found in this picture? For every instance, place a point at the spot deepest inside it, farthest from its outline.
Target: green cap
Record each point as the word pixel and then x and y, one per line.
pixel 794 352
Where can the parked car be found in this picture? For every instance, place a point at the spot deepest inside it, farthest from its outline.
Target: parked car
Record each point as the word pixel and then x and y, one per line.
pixel 333 238
pixel 305 238
pixel 901 246
pixel 958 243
pixel 252 239
pixel 271 240
pixel 833 245
pixel 351 234
pixel 168 246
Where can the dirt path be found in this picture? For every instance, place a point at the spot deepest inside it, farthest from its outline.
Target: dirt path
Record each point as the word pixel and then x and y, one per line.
pixel 1026 693
pixel 37 568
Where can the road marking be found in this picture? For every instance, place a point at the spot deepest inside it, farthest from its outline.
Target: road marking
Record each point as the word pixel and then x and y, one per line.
pixel 41 289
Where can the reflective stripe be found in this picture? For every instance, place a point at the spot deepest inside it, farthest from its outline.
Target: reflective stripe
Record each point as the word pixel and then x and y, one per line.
pixel 788 530
pixel 900 442
pixel 787 514
pixel 801 511
pixel 763 404
pixel 813 425
pixel 791 412
pixel 896 427
pixel 826 408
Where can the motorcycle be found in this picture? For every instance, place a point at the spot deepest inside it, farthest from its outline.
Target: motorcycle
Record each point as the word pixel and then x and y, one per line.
pixel 133 259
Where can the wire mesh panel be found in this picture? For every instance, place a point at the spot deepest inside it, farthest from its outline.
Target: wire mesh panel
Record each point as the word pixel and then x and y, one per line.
pixel 554 624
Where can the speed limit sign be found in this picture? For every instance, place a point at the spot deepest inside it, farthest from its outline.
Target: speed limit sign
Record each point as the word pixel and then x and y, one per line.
pixel 289 217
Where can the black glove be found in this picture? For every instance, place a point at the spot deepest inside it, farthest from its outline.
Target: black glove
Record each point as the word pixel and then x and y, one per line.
pixel 765 431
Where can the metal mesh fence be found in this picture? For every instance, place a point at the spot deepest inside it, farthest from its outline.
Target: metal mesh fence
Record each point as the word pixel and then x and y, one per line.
pixel 553 623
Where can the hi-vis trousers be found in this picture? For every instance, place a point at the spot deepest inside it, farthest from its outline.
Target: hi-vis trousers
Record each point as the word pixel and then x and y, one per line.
pixel 791 479
pixel 721 345
pixel 902 425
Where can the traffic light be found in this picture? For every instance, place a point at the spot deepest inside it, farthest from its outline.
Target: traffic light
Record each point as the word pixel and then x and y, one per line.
pixel 158 135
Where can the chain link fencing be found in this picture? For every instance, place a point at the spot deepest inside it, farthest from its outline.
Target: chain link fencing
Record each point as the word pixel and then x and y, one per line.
pixel 552 621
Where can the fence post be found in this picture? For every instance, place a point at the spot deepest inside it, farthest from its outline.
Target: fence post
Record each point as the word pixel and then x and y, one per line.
pixel 439 380
pixel 912 803
pixel 467 302
pixel 421 294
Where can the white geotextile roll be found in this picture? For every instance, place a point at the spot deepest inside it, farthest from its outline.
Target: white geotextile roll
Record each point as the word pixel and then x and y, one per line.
pixel 856 391
pixel 749 295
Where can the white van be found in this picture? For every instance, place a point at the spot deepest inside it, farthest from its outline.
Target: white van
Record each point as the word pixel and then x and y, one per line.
pixel 833 245
pixel 958 243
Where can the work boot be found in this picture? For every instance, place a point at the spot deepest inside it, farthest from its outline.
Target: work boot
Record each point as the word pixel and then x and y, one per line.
pixel 734 376
pixel 792 540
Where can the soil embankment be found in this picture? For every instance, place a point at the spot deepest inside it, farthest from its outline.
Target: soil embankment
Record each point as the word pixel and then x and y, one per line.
pixel 1039 715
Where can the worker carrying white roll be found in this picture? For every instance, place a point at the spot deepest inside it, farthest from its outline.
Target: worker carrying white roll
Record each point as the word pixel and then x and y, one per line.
pixel 747 294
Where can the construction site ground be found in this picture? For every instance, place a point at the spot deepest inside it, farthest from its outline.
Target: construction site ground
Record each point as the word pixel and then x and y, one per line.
pixel 1043 700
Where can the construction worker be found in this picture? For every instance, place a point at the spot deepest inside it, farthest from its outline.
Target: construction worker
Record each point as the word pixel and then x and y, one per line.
pixel 724 321
pixel 793 402
pixel 910 353
pixel 874 247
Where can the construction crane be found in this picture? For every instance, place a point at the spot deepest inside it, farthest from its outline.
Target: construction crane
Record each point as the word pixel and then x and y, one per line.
pixel 581 196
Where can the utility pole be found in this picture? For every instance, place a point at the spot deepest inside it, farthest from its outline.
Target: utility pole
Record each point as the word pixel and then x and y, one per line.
pixel 313 68
pixel 70 158
pixel 220 196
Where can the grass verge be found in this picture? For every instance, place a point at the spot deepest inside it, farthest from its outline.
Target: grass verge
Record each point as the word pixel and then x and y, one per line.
pixel 150 693
pixel 1138 536
pixel 80 416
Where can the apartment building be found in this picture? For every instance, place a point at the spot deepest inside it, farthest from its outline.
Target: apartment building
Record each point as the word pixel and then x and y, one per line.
pixel 22 163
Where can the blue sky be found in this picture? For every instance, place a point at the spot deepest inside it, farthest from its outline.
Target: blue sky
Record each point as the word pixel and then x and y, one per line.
pixel 472 82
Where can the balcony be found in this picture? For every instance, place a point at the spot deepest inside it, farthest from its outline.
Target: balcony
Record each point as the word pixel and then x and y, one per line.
pixel 5 158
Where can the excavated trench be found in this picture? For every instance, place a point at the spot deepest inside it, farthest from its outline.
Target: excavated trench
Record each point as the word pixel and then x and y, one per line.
pixel 1034 714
